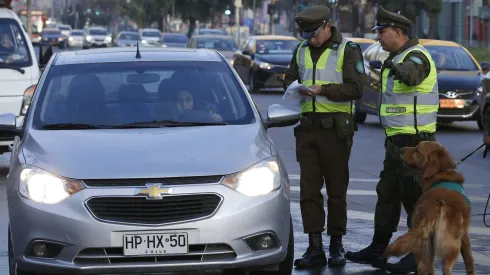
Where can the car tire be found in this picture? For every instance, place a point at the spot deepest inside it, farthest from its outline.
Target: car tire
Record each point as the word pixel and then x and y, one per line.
pixel 360 117
pixel 12 263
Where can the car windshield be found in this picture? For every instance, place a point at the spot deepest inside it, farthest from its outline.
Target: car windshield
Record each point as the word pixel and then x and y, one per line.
pixel 171 38
pixel 64 28
pixel 98 32
pixel 219 44
pixel 13 46
pixel 79 33
pixel 51 32
pixel 451 58
pixel 210 31
pixel 276 46
pixel 150 94
pixel 130 36
pixel 151 34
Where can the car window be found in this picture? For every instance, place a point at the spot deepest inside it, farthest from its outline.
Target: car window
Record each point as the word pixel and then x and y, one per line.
pixel 173 38
pixel 275 46
pixel 210 31
pixel 77 33
pixel 451 58
pixel 13 45
pixel 64 28
pixel 121 93
pixel 220 44
pixel 151 34
pixel 129 36
pixel 364 46
pixel 98 32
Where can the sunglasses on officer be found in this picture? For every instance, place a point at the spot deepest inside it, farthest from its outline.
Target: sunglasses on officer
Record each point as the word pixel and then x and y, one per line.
pixel 308 35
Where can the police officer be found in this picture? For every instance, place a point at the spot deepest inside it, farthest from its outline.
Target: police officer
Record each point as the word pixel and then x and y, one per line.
pixel 486 131
pixel 333 68
pixel 408 111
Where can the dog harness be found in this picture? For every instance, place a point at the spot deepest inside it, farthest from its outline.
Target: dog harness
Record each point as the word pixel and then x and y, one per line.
pixel 453 186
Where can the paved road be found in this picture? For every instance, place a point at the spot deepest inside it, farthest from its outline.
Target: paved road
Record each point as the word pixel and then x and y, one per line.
pixel 366 162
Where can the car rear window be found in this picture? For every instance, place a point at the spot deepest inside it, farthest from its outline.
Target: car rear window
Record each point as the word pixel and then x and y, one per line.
pixel 121 93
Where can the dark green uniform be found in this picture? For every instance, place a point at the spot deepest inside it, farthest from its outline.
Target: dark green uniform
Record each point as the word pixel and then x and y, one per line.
pixel 324 140
pixel 398 183
pixel 486 119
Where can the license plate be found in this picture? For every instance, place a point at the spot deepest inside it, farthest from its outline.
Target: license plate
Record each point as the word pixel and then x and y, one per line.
pixel 155 244
pixel 53 43
pixel 451 103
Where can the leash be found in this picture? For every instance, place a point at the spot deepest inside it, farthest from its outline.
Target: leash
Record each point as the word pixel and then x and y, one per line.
pixel 470 154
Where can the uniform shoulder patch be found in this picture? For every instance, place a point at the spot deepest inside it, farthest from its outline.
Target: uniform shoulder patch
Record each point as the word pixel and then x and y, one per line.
pixel 416 60
pixel 352 44
pixel 360 67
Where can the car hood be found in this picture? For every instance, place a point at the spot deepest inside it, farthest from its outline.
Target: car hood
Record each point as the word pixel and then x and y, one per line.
pixel 459 80
pixel 275 59
pixel 147 153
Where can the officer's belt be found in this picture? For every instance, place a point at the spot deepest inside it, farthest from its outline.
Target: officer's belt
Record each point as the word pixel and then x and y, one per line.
pixel 316 120
pixel 403 140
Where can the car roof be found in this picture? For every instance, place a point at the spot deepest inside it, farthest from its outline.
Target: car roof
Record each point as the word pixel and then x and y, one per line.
pixel 273 37
pixel 7 13
pixel 128 54
pixel 361 40
pixel 433 42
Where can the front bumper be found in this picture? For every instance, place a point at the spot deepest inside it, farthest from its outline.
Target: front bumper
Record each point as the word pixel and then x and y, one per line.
pixel 465 107
pixel 97 44
pixel 216 242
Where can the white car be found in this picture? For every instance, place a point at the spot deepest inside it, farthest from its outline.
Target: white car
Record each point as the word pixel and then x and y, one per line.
pixel 151 36
pixel 19 70
pixel 97 37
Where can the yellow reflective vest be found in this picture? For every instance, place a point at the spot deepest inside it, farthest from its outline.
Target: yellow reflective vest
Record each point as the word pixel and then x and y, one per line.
pixel 409 109
pixel 327 70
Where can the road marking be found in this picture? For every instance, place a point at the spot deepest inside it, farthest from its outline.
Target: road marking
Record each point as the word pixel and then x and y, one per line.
pixel 376 180
pixel 357 192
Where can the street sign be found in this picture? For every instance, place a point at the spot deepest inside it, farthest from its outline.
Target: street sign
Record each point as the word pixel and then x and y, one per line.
pixel 238 3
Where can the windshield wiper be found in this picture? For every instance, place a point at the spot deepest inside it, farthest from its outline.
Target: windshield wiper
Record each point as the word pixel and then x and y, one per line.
pixel 169 123
pixel 72 126
pixel 7 66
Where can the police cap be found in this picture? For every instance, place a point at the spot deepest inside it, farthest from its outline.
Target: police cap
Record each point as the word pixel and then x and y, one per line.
pixel 311 19
pixel 385 19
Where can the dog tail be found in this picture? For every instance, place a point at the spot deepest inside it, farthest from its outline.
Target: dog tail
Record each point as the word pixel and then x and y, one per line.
pixel 402 245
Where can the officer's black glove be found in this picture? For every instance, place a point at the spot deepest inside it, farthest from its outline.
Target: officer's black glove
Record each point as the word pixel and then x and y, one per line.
pixel 485 152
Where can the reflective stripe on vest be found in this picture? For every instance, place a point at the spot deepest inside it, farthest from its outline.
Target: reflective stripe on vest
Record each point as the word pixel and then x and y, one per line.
pixel 409 109
pixel 329 69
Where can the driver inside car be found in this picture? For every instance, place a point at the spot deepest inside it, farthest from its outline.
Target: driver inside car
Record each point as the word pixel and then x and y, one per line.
pixel 186 102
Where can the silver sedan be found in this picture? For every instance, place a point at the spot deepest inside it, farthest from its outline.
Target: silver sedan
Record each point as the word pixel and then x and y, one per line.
pixel 146 161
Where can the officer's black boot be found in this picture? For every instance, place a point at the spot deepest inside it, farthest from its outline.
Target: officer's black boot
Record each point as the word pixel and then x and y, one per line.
pixel 314 256
pixel 406 265
pixel 336 249
pixel 372 255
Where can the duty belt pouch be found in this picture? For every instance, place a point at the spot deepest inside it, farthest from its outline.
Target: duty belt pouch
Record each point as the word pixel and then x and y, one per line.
pixel 344 126
pixel 327 123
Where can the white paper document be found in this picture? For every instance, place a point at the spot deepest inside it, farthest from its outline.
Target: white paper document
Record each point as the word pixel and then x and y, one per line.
pixel 292 92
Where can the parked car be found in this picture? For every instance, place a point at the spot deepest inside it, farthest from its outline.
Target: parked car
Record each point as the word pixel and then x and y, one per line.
pixel 226 45
pixel 84 195
pixel 262 61
pixel 19 71
pixel 458 74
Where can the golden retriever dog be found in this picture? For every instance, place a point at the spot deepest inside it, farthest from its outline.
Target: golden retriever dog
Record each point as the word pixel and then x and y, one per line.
pixel 441 217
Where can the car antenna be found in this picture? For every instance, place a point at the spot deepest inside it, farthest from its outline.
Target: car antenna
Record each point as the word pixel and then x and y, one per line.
pixel 138 55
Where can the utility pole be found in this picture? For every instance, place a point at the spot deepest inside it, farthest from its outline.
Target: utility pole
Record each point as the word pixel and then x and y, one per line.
pixel 238 5
pixel 29 18
pixel 271 11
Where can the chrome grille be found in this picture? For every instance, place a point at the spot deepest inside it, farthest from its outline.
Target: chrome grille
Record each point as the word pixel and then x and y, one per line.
pixel 139 210
pixel 143 182
pixel 114 255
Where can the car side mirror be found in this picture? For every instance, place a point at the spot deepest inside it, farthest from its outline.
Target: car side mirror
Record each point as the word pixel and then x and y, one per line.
pixel 375 64
pixel 45 53
pixel 281 116
pixel 485 66
pixel 8 124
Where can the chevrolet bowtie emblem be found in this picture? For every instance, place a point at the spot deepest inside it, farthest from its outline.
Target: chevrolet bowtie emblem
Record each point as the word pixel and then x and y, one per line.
pixel 153 191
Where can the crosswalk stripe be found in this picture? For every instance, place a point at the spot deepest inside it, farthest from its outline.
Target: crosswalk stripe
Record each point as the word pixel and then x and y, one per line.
pixel 376 180
pixel 357 192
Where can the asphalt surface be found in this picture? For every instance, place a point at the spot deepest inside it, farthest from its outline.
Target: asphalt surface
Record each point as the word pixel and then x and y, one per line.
pixel 460 138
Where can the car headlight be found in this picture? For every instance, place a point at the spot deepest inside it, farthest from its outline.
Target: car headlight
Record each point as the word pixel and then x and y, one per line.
pixel 264 65
pixel 480 89
pixel 108 39
pixel 257 180
pixel 89 37
pixel 41 186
